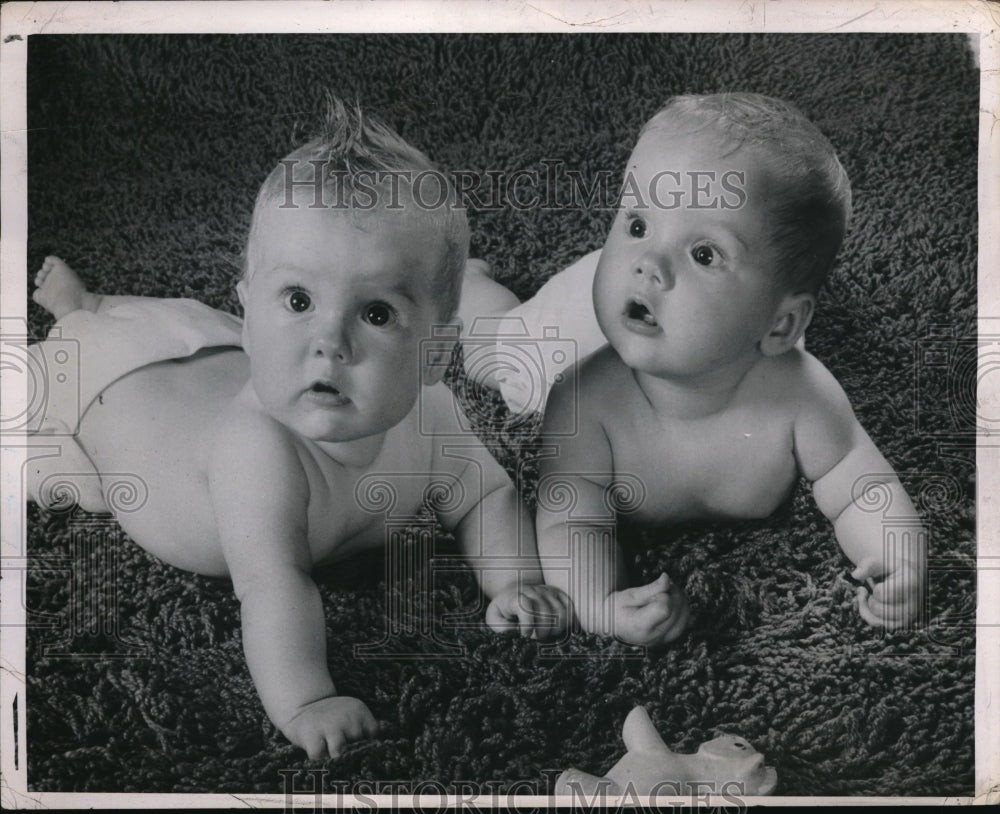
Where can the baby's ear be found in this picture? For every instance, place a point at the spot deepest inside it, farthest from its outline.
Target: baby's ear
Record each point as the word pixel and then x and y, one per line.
pixel 790 322
pixel 241 292
pixel 436 351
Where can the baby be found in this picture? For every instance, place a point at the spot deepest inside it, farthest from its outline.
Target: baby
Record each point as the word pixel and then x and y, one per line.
pixel 256 440
pixel 699 393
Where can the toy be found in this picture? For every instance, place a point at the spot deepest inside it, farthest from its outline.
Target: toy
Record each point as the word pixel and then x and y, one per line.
pixel 725 765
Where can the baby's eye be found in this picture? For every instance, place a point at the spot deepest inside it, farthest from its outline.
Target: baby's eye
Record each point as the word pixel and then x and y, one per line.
pixel 298 301
pixel 379 314
pixel 706 255
pixel 636 227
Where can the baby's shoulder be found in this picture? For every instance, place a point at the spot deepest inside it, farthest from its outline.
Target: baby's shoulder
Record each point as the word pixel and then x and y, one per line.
pixel 601 374
pixel 796 373
pixel 437 411
pixel 796 382
pixel 438 421
pixel 245 440
pixel 437 438
pixel 588 391
pixel 602 364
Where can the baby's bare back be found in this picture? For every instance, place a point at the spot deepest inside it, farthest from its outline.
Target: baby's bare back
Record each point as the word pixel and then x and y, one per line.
pixel 154 424
pixel 159 423
pixel 738 462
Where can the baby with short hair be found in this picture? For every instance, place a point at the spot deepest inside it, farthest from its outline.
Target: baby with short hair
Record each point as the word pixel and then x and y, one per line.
pixel 699 396
pixel 255 439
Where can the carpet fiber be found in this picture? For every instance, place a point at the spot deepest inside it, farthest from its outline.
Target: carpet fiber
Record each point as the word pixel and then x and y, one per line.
pixel 145 153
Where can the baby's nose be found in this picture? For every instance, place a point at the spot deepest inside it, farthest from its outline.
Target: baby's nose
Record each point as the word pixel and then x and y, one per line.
pixel 331 342
pixel 655 270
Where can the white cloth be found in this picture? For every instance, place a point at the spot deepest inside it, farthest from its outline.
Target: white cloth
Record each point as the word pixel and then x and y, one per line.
pixel 536 341
pixel 85 351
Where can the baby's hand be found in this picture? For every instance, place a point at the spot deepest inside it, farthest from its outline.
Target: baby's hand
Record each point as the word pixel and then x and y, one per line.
pixel 324 727
pixel 897 599
pixel 541 611
pixel 649 615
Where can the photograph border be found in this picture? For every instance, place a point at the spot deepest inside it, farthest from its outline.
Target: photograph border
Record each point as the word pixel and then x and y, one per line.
pixel 978 18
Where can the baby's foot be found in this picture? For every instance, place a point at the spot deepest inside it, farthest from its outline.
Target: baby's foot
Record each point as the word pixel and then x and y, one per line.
pixel 474 265
pixel 482 309
pixel 482 295
pixel 59 289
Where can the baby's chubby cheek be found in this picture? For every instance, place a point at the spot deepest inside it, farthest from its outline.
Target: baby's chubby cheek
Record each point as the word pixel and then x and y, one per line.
pixel 390 398
pixel 605 295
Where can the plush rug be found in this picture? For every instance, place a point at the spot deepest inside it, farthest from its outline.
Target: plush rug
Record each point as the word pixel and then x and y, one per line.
pixel 145 153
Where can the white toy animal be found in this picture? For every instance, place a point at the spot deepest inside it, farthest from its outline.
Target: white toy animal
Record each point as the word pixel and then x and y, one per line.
pixel 725 765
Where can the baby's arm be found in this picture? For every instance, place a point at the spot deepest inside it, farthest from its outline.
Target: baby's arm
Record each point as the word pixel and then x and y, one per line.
pixel 260 495
pixel 582 558
pixel 495 532
pixel 836 454
pixel 498 536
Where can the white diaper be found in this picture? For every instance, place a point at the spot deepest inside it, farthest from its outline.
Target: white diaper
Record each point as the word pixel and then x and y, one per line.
pixel 527 349
pixel 85 352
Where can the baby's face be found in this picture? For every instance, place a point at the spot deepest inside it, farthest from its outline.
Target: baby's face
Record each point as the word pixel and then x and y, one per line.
pixel 685 285
pixel 335 315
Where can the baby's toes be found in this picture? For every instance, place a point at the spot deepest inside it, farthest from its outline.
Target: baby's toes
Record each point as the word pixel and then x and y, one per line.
pixel 50 264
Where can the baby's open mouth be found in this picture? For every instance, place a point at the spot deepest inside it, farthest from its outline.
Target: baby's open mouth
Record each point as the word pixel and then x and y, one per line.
pixel 323 387
pixel 640 311
pixel 327 393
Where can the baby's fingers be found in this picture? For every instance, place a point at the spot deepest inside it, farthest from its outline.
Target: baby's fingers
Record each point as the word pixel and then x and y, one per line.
pixel 511 612
pixel 891 604
pixel 865 609
pixel 538 610
pixel 316 746
pixel 680 616
pixel 669 617
pixel 326 726
pixel 879 614
pixel 357 725
pixel 541 611
pixel 643 594
pixel 365 725
pixel 335 744
pixel 528 612
pixel 500 616
pixel 655 614
pixel 555 615
pixel 867 569
pixel 642 626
